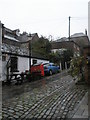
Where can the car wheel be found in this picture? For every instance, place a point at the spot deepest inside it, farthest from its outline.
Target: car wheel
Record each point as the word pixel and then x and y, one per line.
pixel 50 72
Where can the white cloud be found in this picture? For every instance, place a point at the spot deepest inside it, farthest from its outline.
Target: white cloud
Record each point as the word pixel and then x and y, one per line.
pixel 44 16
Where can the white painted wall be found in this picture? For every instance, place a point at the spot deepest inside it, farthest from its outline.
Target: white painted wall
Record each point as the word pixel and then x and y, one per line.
pixel 58 50
pixel 39 61
pixel 54 50
pixel 89 20
pixel 23 64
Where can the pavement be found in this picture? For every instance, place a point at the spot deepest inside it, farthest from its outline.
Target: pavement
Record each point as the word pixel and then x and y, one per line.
pixel 82 108
pixel 53 97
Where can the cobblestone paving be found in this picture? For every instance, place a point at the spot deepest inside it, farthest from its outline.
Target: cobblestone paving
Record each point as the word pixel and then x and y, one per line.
pixel 55 97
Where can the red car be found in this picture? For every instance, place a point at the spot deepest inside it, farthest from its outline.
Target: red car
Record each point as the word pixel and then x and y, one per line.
pixel 37 69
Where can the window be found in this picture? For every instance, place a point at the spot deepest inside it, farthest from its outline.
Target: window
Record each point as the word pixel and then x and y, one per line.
pixel 14 61
pixel 34 61
pixel 3 58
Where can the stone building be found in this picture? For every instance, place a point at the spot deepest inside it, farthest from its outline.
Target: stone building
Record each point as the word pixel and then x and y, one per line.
pixel 15 52
pixel 26 37
pixel 81 39
pixel 15 56
pixel 76 43
pixel 64 45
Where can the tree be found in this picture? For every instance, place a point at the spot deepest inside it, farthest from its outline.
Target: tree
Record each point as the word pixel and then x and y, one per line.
pixel 66 57
pixel 63 57
pixel 54 57
pixel 42 46
pixel 77 66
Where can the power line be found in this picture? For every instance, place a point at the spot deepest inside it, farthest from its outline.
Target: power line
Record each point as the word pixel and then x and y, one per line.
pixel 79 18
pixel 69 27
pixel 46 20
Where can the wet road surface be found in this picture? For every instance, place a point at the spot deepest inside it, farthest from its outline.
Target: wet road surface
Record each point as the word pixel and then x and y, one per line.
pixel 52 97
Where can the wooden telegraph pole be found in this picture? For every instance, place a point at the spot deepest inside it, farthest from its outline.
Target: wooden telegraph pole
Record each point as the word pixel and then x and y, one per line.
pixel 69 27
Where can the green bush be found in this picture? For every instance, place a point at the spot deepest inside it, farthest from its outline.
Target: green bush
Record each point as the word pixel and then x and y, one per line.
pixel 77 67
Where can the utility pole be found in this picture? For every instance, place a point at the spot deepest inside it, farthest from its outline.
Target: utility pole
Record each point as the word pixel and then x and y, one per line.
pixel 69 27
pixel 29 54
pixel 50 37
pixel 30 51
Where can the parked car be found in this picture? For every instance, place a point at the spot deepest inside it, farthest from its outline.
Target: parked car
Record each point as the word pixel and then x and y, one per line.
pixel 50 68
pixel 37 69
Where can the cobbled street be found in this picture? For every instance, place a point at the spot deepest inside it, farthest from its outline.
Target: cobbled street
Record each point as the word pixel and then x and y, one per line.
pixel 52 97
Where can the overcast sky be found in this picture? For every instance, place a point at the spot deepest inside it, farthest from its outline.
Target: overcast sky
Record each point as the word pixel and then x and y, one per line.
pixel 45 17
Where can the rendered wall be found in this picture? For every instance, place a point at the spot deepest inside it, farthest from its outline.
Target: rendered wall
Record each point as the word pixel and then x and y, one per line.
pixel 39 61
pixel 23 64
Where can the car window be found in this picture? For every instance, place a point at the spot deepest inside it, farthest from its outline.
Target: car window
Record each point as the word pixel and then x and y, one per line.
pixel 53 65
pixel 47 64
